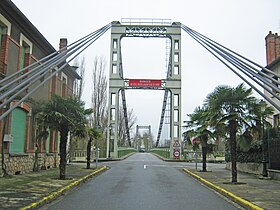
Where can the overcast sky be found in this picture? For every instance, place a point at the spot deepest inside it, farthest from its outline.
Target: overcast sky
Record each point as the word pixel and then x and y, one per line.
pixel 240 25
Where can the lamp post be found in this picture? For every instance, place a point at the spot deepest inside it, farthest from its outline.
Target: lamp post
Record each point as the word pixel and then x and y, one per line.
pixel 110 134
pixel 264 161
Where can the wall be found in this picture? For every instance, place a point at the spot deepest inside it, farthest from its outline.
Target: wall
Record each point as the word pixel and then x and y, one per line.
pixel 24 163
pixel 251 168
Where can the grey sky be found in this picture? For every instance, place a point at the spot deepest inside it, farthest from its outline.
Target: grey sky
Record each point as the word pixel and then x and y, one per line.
pixel 238 24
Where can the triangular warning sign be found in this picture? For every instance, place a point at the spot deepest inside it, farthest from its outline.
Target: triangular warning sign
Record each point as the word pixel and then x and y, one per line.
pixel 176 144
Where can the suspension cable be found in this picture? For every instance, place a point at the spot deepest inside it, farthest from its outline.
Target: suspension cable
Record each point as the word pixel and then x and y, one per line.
pixel 209 48
pixel 78 51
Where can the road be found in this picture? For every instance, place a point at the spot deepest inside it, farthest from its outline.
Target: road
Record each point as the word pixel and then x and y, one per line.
pixel 142 181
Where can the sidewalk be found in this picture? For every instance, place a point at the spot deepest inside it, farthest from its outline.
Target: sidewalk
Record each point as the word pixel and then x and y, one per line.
pixel 23 190
pixel 260 192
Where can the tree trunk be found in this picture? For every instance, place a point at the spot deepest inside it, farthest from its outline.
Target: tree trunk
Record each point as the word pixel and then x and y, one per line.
pixel 204 153
pixel 204 139
pixel 63 143
pixel 36 161
pixel 233 131
pixel 89 152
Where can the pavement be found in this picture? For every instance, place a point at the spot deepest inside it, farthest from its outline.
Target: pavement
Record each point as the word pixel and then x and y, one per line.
pixel 32 190
pixel 29 191
pixel 251 191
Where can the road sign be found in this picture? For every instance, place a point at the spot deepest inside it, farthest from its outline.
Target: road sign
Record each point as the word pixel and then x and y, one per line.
pixel 176 144
pixel 176 153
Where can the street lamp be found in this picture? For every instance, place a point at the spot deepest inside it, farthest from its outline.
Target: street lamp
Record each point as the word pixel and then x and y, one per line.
pixel 264 161
pixel 110 136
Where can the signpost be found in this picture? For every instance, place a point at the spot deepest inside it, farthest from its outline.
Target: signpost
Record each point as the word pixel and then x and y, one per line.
pixel 176 149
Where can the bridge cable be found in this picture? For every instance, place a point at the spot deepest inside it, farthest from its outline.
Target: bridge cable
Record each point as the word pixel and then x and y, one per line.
pixel 34 78
pixel 60 59
pixel 216 49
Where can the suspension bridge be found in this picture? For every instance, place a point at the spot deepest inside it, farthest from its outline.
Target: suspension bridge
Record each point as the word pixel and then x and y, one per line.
pixel 34 76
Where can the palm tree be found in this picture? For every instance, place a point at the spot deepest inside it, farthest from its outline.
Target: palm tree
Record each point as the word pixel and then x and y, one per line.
pixel 229 106
pixel 92 134
pixel 199 128
pixel 65 115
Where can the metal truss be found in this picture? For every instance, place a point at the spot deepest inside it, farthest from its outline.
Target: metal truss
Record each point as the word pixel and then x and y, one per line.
pixel 145 31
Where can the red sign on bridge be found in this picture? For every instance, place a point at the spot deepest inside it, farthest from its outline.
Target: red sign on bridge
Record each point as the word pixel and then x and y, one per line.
pixel 144 83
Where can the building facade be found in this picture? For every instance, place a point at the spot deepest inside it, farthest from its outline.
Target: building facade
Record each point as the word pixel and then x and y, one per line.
pixel 21 44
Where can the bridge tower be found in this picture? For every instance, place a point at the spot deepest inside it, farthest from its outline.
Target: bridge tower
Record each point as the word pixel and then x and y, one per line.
pixel 145 28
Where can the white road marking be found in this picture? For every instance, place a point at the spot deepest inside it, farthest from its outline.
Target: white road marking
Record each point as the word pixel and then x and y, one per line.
pixel 170 166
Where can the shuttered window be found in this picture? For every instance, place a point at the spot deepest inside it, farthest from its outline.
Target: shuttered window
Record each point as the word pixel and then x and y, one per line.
pixel 18 130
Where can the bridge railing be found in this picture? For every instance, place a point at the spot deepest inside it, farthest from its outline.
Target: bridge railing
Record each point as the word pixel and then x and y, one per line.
pixel 123 151
pixel 163 152
pixel 81 155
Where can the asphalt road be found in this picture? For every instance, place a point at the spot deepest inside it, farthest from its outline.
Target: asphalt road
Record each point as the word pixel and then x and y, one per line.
pixel 142 181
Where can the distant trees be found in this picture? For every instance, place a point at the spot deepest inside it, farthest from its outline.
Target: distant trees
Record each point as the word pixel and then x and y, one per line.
pixel 99 93
pixel 122 127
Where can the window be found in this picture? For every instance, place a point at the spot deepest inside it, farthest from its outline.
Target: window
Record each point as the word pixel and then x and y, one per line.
pixel 176 115
pixel 113 99
pixel 23 56
pixel 176 45
pixel 114 69
pixel 113 112
pixel 115 56
pixel 115 42
pixel 176 100
pixel 5 30
pixel 176 57
pixel 64 85
pixel 176 70
pixel 176 131
pixel 276 120
pixel 26 51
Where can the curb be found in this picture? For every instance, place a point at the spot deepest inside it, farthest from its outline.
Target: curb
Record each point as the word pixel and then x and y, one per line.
pixel 57 193
pixel 224 192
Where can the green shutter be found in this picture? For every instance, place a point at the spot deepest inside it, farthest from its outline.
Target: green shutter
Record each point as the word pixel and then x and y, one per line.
pixel 18 130
pixel 22 58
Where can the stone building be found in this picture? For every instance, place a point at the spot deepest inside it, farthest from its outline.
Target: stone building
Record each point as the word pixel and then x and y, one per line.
pixel 273 63
pixel 21 44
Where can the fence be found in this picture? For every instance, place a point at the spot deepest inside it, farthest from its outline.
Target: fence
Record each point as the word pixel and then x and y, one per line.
pixel 81 155
pixel 274 153
pixel 189 155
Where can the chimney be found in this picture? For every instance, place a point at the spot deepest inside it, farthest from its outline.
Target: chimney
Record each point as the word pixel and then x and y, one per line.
pixel 272 42
pixel 277 45
pixel 62 44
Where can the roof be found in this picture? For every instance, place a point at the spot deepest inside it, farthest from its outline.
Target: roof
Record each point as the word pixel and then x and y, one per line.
pixel 273 63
